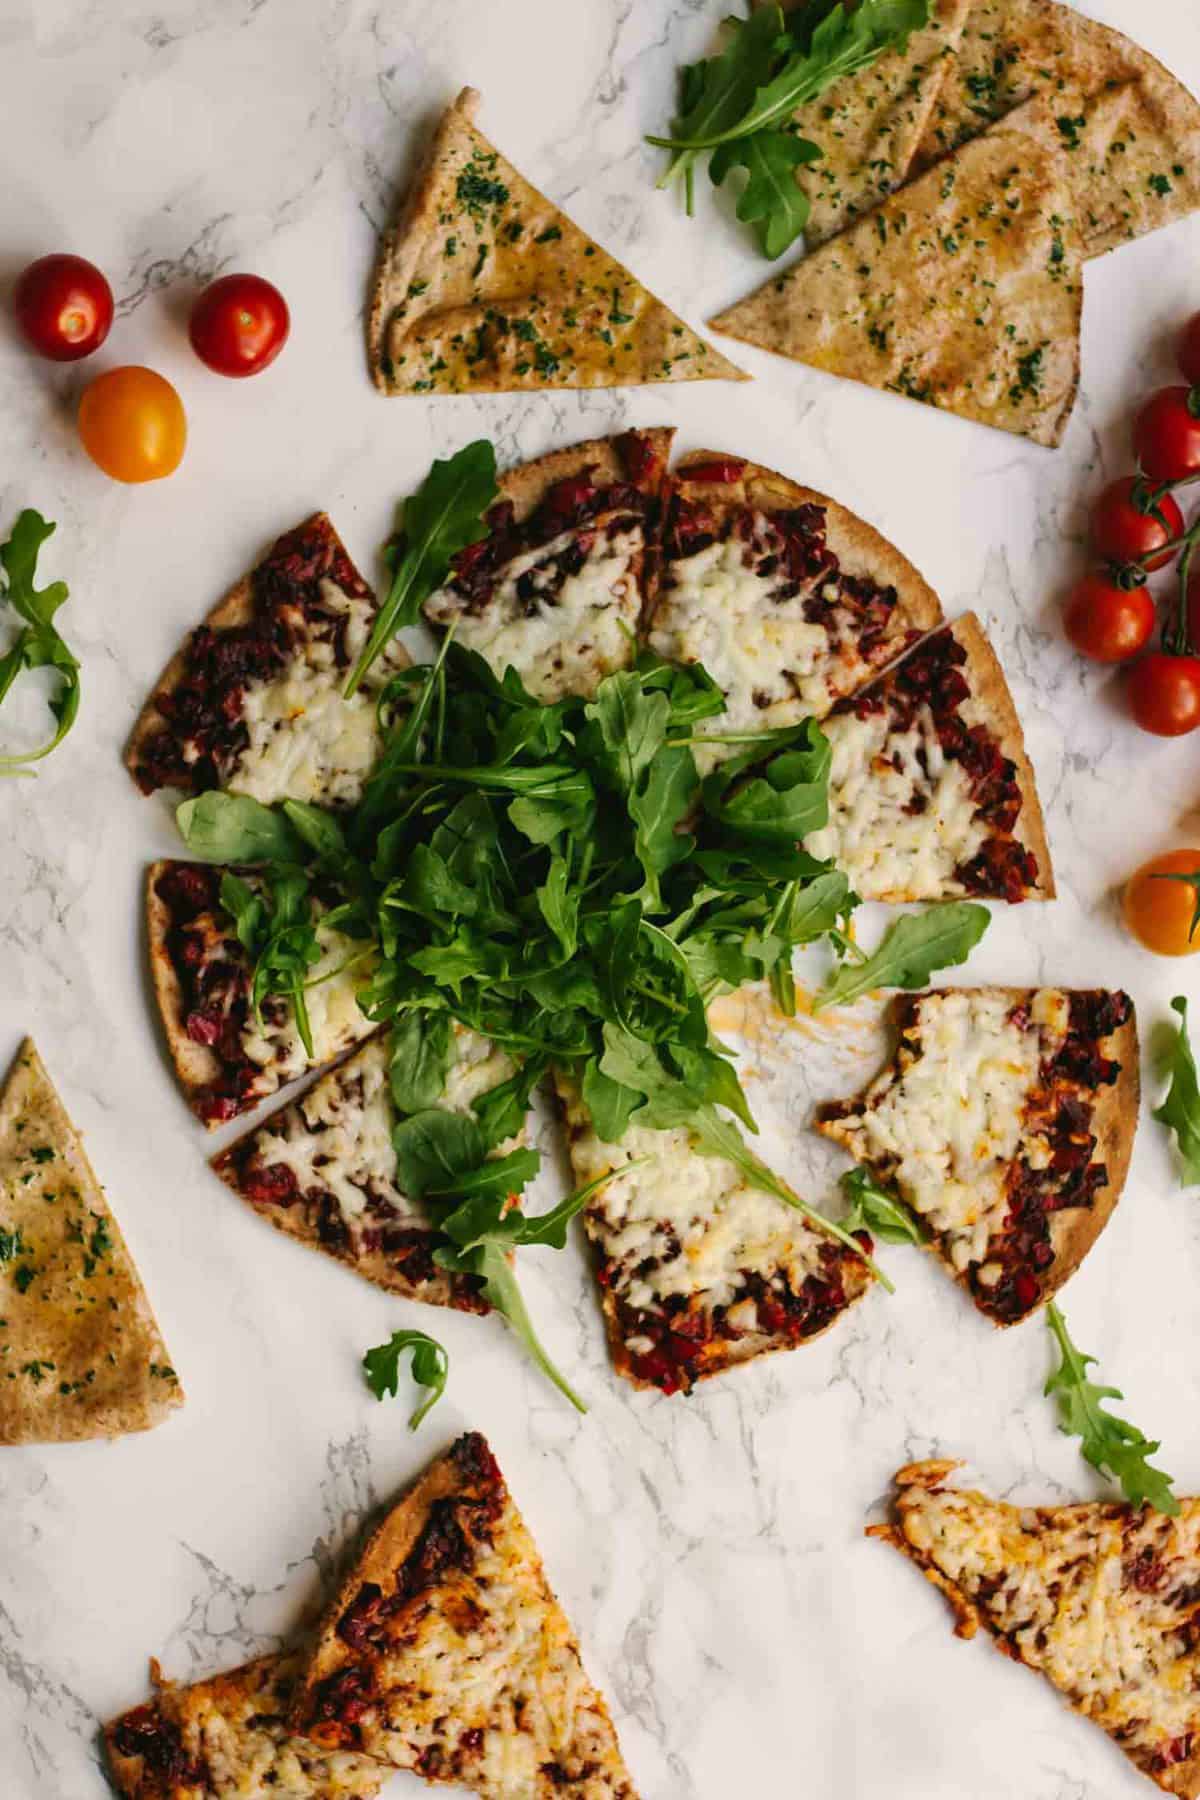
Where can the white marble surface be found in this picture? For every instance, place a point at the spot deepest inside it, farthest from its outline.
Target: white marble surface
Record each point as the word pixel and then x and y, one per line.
pixel 709 1550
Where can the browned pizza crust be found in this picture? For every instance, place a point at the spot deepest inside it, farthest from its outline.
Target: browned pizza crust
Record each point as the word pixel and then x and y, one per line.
pixel 196 1066
pixel 930 1474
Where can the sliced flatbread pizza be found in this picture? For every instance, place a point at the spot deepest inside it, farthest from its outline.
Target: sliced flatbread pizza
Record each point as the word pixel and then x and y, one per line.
pixel 787 599
pixel 81 1355
pixel 698 1271
pixel 557 588
pixel 228 1739
pixel 228 1057
pixel 323 1169
pixel 963 290
pixel 1005 1120
pixel 931 794
pixel 1103 1600
pixel 485 286
pixel 1130 129
pixel 253 702
pixel 446 1652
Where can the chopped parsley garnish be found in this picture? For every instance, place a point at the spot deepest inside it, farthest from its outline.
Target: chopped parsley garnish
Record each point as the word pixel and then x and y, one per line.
pixel 1029 375
pixel 476 191
pixel 11 1245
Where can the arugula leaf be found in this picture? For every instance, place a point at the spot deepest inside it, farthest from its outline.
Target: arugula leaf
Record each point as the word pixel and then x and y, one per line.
pixel 430 1368
pixel 772 200
pixel 1111 1445
pixel 717 92
pixel 780 799
pixel 444 515
pixel 276 925
pixel 487 1261
pixel 873 1209
pixel 1180 1111
pixel 232 828
pixel 916 945
pixel 422 1057
pixel 37 644
pixel 434 1148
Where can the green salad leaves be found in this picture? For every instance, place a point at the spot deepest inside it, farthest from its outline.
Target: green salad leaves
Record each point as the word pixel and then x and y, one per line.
pixel 1180 1111
pixel 37 644
pixel 430 1369
pixel 1111 1445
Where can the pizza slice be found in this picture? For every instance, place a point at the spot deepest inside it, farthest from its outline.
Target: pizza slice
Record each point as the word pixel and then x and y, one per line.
pixel 228 1057
pixel 931 794
pixel 81 1355
pixel 1005 1120
pixel 558 586
pixel 484 286
pixel 446 1652
pixel 227 1738
pixel 1103 1600
pixel 698 1271
pixel 963 289
pixel 323 1169
pixel 787 599
pixel 253 702
pixel 1130 129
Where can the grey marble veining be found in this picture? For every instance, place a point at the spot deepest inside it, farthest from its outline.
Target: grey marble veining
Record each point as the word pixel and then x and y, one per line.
pixel 709 1551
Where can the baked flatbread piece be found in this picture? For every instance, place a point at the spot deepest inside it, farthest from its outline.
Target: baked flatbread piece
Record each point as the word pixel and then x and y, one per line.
pixel 1005 1120
pixel 1130 129
pixel 558 587
pixel 81 1355
pixel 253 702
pixel 1101 1599
pixel 484 286
pixel 963 289
pixel 228 1739
pixel 446 1652
pixel 931 794
pixel 787 599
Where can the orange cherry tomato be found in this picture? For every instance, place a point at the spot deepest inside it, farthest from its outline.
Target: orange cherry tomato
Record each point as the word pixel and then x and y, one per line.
pixel 133 424
pixel 1160 909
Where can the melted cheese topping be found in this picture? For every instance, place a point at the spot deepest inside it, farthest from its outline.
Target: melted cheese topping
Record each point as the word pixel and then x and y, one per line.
pixel 947 1120
pixel 307 742
pixel 561 636
pixel 1097 1600
pixel 902 817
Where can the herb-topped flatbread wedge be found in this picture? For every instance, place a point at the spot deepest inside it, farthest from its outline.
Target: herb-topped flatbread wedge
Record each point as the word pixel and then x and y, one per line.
pixel 254 702
pixel 1130 129
pixel 1101 1599
pixel 963 289
pixel 446 1652
pixel 558 586
pixel 786 598
pixel 227 1738
pixel 1005 1121
pixel 81 1355
pixel 931 794
pixel 484 286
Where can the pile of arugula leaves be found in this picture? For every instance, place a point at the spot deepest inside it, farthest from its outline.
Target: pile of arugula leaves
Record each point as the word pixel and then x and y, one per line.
pixel 37 644
pixel 738 107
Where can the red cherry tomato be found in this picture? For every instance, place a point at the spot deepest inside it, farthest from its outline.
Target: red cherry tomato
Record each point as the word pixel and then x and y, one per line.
pixel 64 307
pixel 1164 694
pixel 239 325
pixel 1107 622
pixel 1188 355
pixel 1166 435
pixel 1125 528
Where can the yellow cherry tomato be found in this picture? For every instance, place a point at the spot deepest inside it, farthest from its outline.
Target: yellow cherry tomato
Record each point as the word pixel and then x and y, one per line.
pixel 133 424
pixel 1160 909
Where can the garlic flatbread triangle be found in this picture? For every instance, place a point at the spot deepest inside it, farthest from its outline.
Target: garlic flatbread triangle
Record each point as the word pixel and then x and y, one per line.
pixel 80 1352
pixel 446 1652
pixel 484 286
pixel 1130 129
pixel 962 290
pixel 1099 1599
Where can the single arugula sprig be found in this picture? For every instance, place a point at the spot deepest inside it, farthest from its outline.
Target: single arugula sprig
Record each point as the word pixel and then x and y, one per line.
pixel 1180 1111
pixel 912 949
pixel 1111 1445
pixel 740 104
pixel 874 1209
pixel 275 922
pixel 430 1369
pixel 446 513
pixel 37 644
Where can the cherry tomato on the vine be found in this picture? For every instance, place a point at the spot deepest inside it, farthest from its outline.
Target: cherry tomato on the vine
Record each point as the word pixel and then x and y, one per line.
pixel 1188 354
pixel 1166 434
pixel 239 325
pixel 1164 693
pixel 1107 622
pixel 133 424
pixel 64 307
pixel 1126 527
pixel 1160 908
